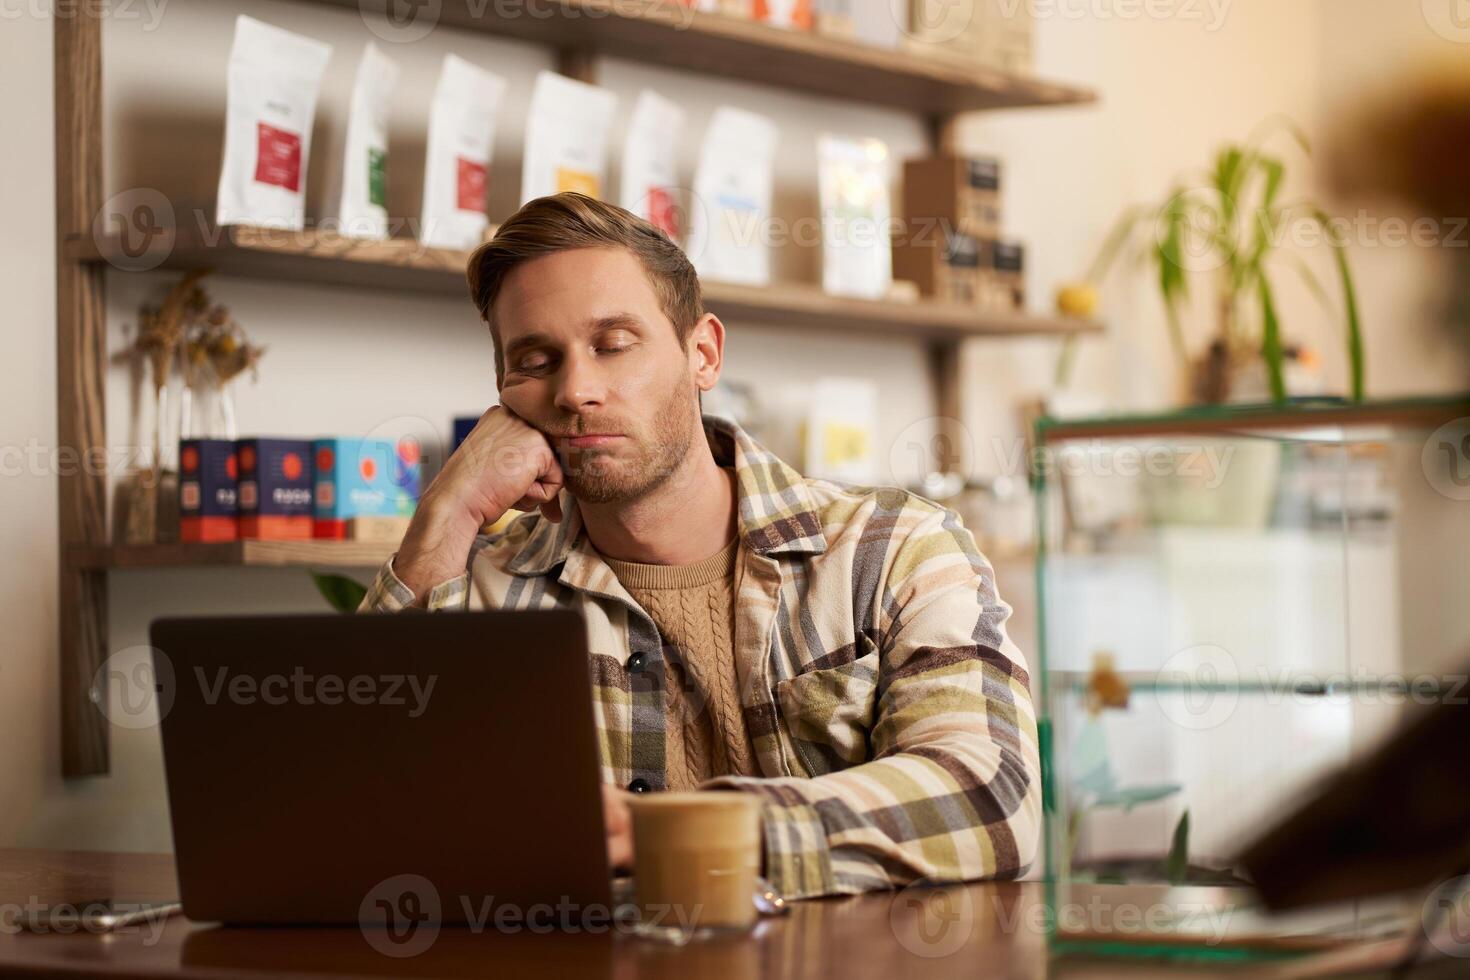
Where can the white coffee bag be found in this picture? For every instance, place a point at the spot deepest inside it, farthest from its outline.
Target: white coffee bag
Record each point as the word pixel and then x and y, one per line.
pixel 566 137
pixel 457 171
pixel 650 162
pixel 362 210
pixel 731 209
pixel 857 244
pixel 274 77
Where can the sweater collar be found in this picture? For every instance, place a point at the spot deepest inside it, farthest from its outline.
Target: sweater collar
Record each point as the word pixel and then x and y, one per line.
pixel 775 513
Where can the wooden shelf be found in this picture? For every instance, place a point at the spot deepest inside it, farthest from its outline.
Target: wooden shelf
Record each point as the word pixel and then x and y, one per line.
pixel 406 265
pixel 333 554
pixel 662 32
pixel 809 307
pixel 400 264
pixel 1310 416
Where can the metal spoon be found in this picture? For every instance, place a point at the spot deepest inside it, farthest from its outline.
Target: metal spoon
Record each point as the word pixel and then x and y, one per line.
pixel 768 901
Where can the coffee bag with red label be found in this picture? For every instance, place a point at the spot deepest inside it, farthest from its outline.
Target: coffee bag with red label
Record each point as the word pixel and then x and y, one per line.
pixel 274 76
pixel 461 136
pixel 650 163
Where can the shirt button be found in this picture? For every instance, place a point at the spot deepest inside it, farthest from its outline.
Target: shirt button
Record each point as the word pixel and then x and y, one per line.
pixel 635 662
pixel 639 786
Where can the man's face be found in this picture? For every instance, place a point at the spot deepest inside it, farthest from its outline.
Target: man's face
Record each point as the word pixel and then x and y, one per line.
pixel 592 361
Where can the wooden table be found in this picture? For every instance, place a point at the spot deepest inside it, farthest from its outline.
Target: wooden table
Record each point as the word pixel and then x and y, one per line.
pixel 974 931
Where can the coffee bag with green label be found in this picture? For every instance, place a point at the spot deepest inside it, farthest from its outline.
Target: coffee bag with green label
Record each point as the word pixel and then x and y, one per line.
pixel 363 209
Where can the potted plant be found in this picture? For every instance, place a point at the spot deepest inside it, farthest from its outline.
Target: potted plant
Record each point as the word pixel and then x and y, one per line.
pixel 1224 223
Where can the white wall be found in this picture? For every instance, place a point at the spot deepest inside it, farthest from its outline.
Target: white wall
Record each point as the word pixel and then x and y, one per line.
pixel 347 361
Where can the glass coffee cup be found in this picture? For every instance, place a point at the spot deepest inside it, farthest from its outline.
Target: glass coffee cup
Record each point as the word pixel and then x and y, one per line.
pixel 696 862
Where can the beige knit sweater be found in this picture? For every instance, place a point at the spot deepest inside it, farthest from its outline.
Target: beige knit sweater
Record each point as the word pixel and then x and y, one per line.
pixel 693 607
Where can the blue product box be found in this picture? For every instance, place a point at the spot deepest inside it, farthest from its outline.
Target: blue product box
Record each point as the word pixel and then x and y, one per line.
pixel 363 478
pixel 275 488
pixel 207 490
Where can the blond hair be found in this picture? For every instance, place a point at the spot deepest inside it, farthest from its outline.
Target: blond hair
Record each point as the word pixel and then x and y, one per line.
pixel 570 220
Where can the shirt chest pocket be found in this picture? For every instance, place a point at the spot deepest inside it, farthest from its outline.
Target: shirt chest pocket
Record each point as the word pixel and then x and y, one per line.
pixel 829 711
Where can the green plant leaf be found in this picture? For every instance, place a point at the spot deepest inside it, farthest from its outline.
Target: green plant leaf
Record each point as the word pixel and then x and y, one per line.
pixel 1277 122
pixel 1129 797
pixel 1074 828
pixel 1312 281
pixel 1296 132
pixel 1271 349
pixel 1230 172
pixel 1268 220
pixel 1356 361
pixel 1065 359
pixel 1172 284
pixel 343 594
pixel 1274 172
pixel 1177 865
pixel 1114 243
pixel 1176 332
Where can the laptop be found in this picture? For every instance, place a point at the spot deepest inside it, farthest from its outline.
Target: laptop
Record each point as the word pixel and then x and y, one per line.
pixel 323 767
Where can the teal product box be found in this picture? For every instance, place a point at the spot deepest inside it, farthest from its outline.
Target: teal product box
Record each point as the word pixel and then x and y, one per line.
pixel 363 478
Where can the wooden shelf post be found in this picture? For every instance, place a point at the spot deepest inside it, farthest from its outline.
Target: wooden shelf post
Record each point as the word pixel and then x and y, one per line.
pixel 945 356
pixel 81 337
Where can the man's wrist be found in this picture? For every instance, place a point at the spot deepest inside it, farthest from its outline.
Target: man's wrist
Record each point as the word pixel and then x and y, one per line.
pixel 450 518
pixel 437 546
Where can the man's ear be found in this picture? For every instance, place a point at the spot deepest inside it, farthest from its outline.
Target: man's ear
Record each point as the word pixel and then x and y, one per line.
pixel 707 351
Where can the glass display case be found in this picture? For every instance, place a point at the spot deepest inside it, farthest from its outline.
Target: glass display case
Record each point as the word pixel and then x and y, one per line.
pixel 1234 602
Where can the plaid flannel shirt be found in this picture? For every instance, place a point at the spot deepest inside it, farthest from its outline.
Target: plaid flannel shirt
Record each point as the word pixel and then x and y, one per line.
pixel 890 714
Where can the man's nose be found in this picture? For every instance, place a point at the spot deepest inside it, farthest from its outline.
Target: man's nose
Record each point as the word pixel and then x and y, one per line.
pixel 580 386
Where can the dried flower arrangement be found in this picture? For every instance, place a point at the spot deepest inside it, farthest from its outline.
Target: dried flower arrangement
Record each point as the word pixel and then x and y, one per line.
pixel 188 333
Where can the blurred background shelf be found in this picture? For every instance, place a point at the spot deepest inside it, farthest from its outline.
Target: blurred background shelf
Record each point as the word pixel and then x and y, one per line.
pixel 667 34
pixel 336 554
pixel 406 265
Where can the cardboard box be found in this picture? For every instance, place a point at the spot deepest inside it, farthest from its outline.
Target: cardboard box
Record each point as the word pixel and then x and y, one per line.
pixel 208 490
pixel 1003 276
pixel 379 530
pixel 834 18
pixel 997 34
pixel 1010 42
pixel 965 191
pixel 942 262
pixel 362 478
pixel 881 23
pixel 275 488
